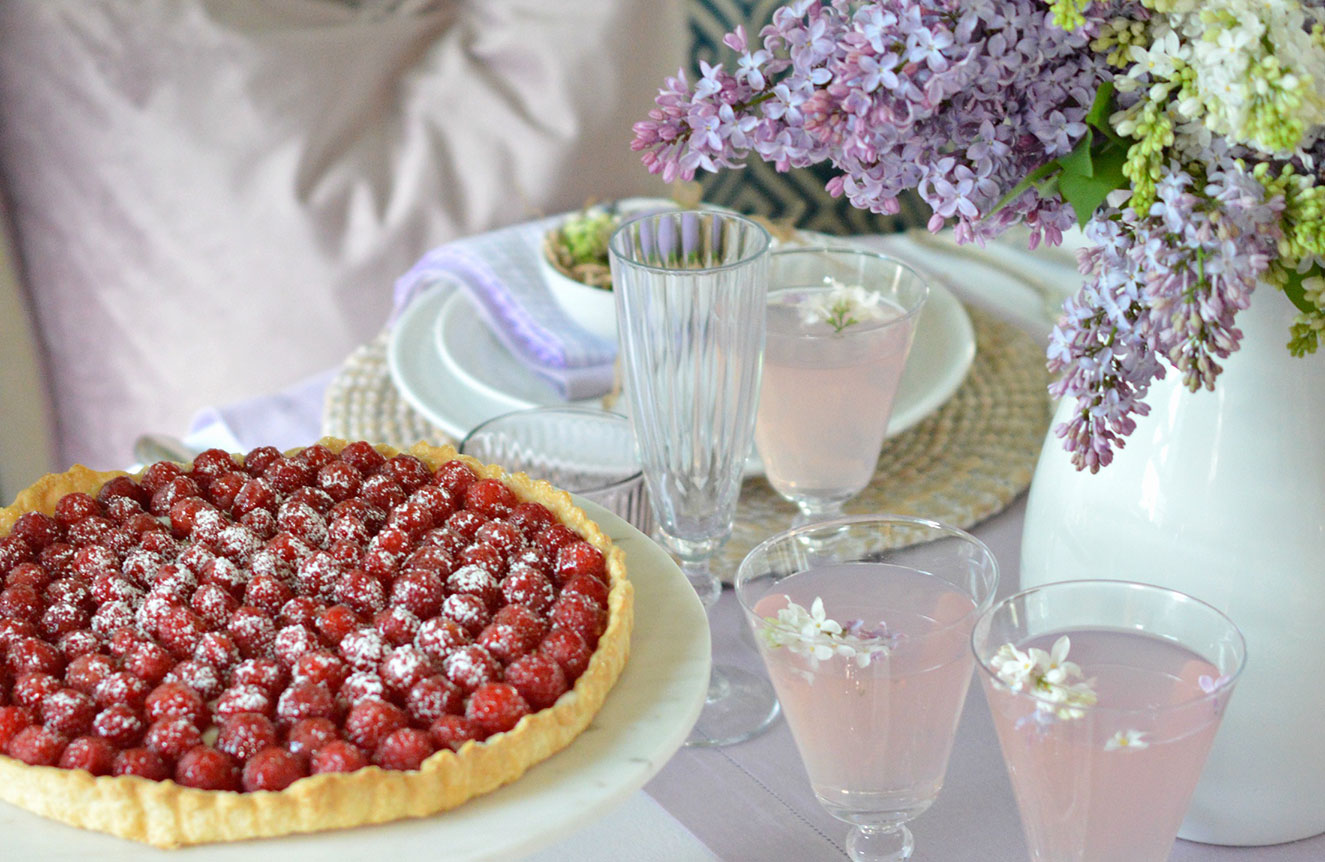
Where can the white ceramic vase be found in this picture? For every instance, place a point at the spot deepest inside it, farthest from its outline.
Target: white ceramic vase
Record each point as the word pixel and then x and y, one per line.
pixel 1221 495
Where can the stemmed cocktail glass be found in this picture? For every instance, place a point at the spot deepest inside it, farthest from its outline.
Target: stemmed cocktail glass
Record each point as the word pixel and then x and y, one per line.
pixel 1106 696
pixel 864 625
pixel 690 290
pixel 840 326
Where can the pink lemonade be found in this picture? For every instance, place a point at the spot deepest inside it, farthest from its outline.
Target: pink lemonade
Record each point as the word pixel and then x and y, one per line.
pixel 826 398
pixel 875 739
pixel 1113 783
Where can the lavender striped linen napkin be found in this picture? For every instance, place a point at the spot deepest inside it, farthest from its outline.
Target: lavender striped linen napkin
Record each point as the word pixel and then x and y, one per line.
pixel 500 272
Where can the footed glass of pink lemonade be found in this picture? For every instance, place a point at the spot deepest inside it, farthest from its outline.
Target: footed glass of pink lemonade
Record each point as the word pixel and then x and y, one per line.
pixel 1106 696
pixel 840 326
pixel 863 624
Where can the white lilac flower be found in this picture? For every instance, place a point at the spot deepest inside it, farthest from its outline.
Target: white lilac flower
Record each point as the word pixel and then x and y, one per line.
pixel 811 634
pixel 1126 740
pixel 841 305
pixel 1056 684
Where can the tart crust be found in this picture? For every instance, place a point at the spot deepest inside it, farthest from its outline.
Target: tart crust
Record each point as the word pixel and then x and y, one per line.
pixel 166 814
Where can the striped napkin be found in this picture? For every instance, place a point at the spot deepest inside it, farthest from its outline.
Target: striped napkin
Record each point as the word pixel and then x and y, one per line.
pixel 501 273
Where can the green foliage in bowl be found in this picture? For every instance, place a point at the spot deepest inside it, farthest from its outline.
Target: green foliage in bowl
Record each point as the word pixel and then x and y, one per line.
pixel 577 248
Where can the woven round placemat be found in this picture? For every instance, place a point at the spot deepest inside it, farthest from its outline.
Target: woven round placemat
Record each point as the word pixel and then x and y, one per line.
pixel 961 464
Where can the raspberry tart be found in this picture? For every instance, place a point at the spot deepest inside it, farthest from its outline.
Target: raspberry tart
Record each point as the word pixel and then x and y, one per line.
pixel 292 642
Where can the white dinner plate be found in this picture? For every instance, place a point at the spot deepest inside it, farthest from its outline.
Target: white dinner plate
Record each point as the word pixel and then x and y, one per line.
pixel 451 369
pixel 644 721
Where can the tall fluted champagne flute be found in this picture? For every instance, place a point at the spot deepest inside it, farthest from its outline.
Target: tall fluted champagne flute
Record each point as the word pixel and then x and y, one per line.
pixel 691 289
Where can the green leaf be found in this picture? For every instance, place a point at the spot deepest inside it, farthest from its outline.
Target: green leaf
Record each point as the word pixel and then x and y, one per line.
pixel 1031 179
pixel 1078 161
pixel 1087 192
pixel 1098 115
pixel 1293 288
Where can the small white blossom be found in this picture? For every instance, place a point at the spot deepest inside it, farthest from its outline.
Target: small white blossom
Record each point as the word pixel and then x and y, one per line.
pixel 1056 683
pixel 1126 739
pixel 842 305
pixel 810 633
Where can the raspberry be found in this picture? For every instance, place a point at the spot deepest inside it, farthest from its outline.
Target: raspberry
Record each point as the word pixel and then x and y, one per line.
pixel 470 667
pixel 337 756
pixel 530 518
pixel 165 497
pixel 121 688
pixel 485 556
pixel 243 698
pixel 119 725
pixel 253 631
pixel 490 498
pixel 371 721
pixel 289 548
pixel 412 518
pixel 361 685
pixel 142 762
pixel 223 489
pixel 469 611
pixel 321 668
pixel 89 531
pixel 568 650
pixel 30 575
pixel 579 614
pixel 503 642
pixel 305 700
pixel 340 480
pixel 431 698
pixel 12 720
pixel 68 712
pixel 180 631
pixel 448 540
pixel 299 610
pixel 171 737
pixel 465 524
pixel 308 736
pixel 538 678
pixel 206 769
pixel 171 699
pixel 89 753
pixel 589 587
pixel 316 456
pixel 383 491
pixel 436 500
pixel 336 622
pixel 455 476
pixel 346 538
pixel 217 649
pixel 364 649
pixel 362 457
pixel 256 461
pixel 30 655
pixel 245 734
pixel 85 672
pixel 57 558
pixel 212 463
pixel 501 535
pixel 302 521
pixel 404 749
pixel 404 667
pixel 37 746
pixel 266 674
pixel 524 585
pixel 475 581
pixel 527 625
pixel 36 530
pixel 21 602
pixel 314 498
pixel 292 642
pixel 361 591
pixel 70 591
pixel 197 675
pixel 318 574
pixel 212 603
pixel 272 769
pixel 261 522
pixel 552 539
pixel 397 624
pixel 438 636
pixel 453 731
pixel 74 507
pixel 267 594
pixel 580 558
pixel 31 690
pixel 158 475
pixel 430 558
pixel 256 493
pixel 495 707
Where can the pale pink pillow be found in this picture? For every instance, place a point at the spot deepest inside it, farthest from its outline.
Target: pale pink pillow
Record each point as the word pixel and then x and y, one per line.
pixel 211 200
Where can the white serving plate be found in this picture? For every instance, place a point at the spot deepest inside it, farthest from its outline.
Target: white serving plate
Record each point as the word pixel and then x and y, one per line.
pixel 448 366
pixel 644 721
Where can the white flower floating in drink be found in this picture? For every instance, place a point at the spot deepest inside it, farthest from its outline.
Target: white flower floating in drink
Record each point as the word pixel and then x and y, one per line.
pixel 810 633
pixel 844 305
pixel 1126 739
pixel 1058 685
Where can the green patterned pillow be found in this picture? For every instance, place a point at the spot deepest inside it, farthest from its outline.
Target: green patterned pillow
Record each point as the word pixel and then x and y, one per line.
pixel 797 196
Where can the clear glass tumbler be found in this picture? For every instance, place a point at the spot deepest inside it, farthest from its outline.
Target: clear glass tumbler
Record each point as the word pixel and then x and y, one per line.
pixel 586 452
pixel 840 326
pixel 1106 697
pixel 690 289
pixel 864 624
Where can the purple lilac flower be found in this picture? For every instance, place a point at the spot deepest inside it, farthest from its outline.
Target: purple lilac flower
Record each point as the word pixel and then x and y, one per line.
pixel 1167 285
pixel 958 100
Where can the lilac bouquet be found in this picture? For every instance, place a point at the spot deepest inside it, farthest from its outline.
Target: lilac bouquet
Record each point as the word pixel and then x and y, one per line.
pixel 1185 136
